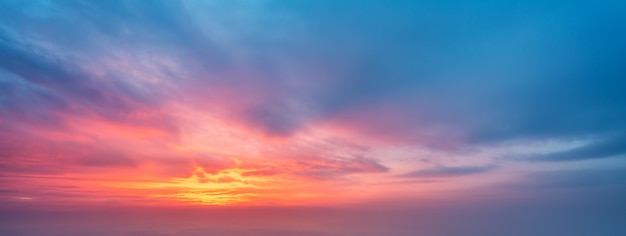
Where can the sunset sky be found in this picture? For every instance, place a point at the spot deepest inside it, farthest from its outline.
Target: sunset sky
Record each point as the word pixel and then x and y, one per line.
pixel 322 112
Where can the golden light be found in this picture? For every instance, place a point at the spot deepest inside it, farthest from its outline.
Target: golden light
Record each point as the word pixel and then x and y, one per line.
pixel 226 187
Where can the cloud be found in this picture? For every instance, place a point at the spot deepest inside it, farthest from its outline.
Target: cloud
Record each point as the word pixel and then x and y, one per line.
pixel 499 82
pixel 163 87
pixel 447 171
pixel 512 81
pixel 41 90
pixel 604 148
pixel 327 167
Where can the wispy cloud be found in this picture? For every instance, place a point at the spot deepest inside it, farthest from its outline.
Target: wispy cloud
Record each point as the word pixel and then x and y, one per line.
pixel 448 171
pixel 609 146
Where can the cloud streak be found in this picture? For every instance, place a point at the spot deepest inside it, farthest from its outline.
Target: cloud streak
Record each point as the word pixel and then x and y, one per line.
pixel 447 171
pixel 605 148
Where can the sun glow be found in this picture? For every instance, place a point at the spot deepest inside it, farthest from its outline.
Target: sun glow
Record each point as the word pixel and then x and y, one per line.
pixel 224 187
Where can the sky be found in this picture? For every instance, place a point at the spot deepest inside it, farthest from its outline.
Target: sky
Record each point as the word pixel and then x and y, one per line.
pixel 312 117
